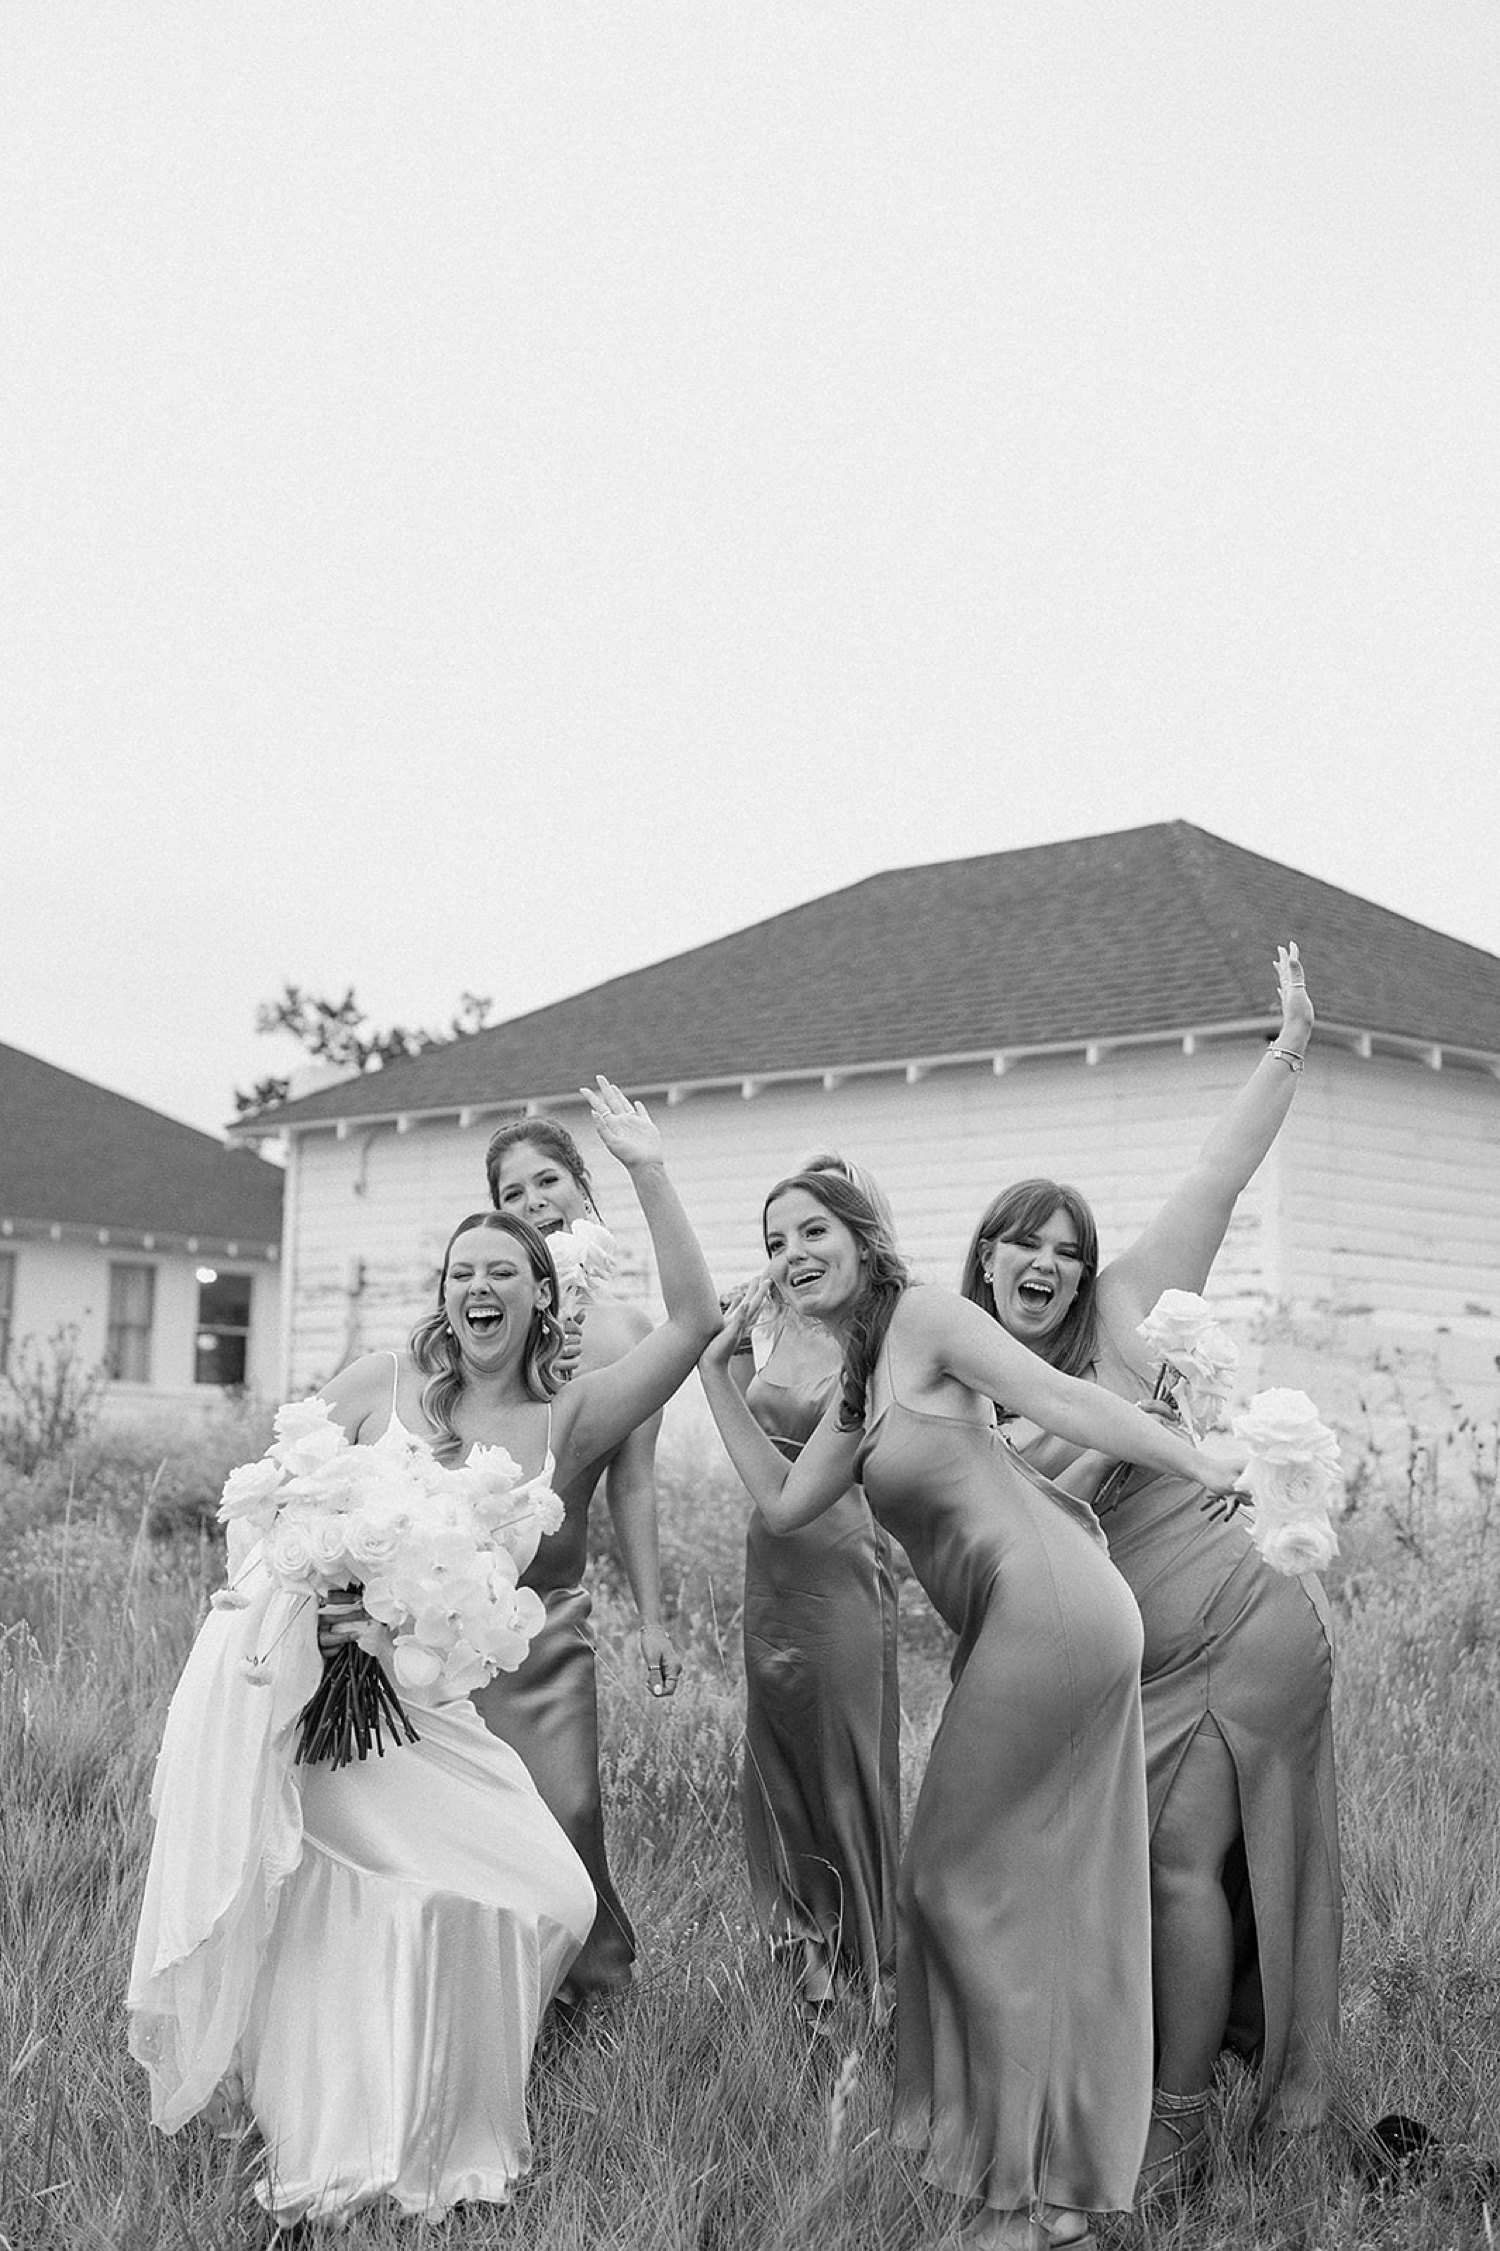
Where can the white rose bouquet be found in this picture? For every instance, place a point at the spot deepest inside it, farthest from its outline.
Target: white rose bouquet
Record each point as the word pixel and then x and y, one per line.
pixel 432 1555
pixel 584 1255
pixel 1198 1358
pixel 1293 1480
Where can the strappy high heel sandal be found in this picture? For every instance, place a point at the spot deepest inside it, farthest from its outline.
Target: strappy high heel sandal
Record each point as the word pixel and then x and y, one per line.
pixel 1176 2169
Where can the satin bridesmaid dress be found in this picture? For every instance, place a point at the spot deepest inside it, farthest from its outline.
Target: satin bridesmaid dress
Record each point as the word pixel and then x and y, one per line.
pixel 820 1783
pixel 1023 2010
pixel 1241 1649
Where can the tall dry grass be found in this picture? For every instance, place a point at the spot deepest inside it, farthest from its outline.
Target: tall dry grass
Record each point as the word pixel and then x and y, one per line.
pixel 701 2110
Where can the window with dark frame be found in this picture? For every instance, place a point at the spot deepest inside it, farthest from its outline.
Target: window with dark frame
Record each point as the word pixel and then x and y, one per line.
pixel 223 1339
pixel 132 1314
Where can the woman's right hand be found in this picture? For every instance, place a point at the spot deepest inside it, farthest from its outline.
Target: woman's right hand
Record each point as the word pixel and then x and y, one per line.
pixel 625 1127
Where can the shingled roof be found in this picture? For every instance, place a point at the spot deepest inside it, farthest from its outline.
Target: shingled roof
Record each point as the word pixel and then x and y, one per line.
pixel 76 1158
pixel 1143 933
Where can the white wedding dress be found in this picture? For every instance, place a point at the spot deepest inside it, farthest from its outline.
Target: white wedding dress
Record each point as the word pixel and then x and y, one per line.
pixel 366 1952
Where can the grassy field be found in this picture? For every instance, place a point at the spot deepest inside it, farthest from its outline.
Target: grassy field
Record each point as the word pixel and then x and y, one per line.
pixel 701 2110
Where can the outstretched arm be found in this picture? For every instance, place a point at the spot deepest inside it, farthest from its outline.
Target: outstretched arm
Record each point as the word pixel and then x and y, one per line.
pixel 955 1339
pixel 1176 1251
pixel 596 1411
pixel 788 1494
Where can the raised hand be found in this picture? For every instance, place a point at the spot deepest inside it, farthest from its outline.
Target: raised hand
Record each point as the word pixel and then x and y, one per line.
pixel 1291 984
pixel 741 1308
pixel 622 1125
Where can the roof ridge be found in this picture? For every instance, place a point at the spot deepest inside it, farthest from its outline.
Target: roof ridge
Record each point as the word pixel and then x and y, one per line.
pixel 1184 843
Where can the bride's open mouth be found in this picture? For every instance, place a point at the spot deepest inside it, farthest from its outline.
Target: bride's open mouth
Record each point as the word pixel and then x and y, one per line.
pixel 484 1320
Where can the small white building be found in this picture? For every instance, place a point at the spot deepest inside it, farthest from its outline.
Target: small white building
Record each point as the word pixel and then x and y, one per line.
pixel 1083 1009
pixel 157 1244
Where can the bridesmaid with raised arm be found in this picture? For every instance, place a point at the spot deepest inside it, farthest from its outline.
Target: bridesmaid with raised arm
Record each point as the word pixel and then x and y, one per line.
pixel 1023 2011
pixel 548 1710
pixel 1238 1666
pixel 821 1780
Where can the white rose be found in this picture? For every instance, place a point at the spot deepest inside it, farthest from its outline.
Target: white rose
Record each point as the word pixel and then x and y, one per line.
pixel 1283 1490
pixel 371 1538
pixel 248 1491
pixel 1175 1322
pixel 288 1550
pixel 1284 1426
pixel 1305 1544
pixel 325 1536
pixel 306 1436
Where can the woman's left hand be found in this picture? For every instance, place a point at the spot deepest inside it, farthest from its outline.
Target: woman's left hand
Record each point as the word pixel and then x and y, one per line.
pixel 1296 1008
pixel 622 1125
pixel 341 1617
pixel 663 1665
pixel 1219 1475
pixel 741 1309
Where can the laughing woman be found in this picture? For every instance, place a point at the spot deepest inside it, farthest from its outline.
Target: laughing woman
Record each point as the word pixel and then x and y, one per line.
pixel 1023 2008
pixel 548 1711
pixel 820 1784
pixel 365 1951
pixel 1238 1665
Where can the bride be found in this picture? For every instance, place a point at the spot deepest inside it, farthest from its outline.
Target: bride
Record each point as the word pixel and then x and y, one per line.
pixel 363 1954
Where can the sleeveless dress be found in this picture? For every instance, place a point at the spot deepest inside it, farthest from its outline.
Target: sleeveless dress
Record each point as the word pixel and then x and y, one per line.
pixel 1023 1996
pixel 820 1784
pixel 1236 1647
pixel 548 1712
pixel 366 1951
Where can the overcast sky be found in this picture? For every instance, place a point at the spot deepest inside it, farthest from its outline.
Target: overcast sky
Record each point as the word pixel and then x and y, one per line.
pixel 496 494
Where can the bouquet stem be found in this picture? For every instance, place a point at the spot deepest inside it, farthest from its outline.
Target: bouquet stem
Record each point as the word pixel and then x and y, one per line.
pixel 351 1710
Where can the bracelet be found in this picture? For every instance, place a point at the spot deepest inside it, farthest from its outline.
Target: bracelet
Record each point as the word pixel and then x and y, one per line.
pixel 1287 1055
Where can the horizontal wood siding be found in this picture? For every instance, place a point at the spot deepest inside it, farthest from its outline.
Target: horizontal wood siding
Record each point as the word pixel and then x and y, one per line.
pixel 1393 1190
pixel 374 1211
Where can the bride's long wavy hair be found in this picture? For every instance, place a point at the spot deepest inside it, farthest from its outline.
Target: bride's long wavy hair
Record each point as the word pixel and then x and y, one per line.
pixel 1020 1210
pixel 886 1277
pixel 435 1348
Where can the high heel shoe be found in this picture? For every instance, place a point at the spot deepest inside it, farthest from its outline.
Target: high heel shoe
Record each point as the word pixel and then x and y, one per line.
pixel 1176 2169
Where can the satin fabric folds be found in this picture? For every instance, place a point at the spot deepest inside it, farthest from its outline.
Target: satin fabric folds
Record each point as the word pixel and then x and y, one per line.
pixel 1235 1646
pixel 1023 2012
pixel 366 1953
pixel 820 1783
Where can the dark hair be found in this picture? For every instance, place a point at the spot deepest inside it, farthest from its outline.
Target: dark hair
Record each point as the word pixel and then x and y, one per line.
pixel 545 1133
pixel 833 1160
pixel 1022 1209
pixel 435 1349
pixel 886 1277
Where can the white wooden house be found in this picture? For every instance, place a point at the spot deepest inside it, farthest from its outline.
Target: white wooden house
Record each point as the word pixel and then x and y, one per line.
pixel 1083 1009
pixel 157 1244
